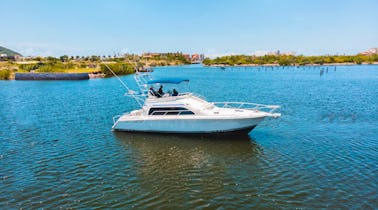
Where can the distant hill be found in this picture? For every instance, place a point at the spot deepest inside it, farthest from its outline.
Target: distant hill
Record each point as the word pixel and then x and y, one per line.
pixel 7 51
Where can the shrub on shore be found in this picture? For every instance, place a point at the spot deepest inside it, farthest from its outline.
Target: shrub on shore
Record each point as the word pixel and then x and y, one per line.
pixel 29 67
pixel 118 68
pixel 49 66
pixel 5 74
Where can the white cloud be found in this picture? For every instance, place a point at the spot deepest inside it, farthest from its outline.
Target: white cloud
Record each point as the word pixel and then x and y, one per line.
pixel 125 51
pixel 260 52
pixel 213 53
pixel 44 49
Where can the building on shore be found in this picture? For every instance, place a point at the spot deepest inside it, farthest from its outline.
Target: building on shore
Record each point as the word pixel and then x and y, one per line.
pixel 197 58
pixel 202 57
pixel 151 55
pixel 192 58
pixel 187 57
pixel 278 52
pixel 370 51
pixel 6 57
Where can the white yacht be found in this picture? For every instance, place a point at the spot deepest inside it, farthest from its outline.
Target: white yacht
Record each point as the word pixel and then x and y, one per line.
pixel 188 113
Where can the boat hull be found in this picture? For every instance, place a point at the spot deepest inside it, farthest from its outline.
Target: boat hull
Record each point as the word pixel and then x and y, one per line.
pixel 189 126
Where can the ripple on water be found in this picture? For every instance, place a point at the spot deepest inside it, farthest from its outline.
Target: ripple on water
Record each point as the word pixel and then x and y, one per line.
pixel 57 150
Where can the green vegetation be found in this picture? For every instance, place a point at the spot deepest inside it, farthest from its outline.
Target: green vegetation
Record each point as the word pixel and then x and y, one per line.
pixel 5 74
pixel 118 68
pixel 88 64
pixel 288 60
pixel 157 59
pixel 168 58
pixel 53 66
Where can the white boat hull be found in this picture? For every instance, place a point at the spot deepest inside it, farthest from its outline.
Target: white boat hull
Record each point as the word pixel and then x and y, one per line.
pixel 187 125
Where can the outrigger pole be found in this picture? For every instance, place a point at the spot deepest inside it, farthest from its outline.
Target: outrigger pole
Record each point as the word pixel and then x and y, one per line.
pixel 129 91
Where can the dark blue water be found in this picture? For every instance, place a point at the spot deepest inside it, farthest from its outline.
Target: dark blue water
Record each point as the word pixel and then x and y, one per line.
pixel 57 149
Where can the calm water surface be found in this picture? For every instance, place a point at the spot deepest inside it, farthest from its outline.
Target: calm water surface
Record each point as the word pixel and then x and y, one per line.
pixel 57 149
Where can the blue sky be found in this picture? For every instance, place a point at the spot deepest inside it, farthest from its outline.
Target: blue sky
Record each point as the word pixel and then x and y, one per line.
pixel 213 27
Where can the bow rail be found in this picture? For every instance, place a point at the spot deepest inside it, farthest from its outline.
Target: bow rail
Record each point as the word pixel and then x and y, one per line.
pixel 250 106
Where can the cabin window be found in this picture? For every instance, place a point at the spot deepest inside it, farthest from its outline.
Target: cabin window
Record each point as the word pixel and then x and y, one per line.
pixel 170 111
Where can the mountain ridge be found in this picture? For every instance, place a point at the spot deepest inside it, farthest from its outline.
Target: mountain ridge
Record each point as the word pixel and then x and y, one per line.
pixel 9 52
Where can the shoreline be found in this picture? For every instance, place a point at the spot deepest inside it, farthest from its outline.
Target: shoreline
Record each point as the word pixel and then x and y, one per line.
pixel 296 65
pixel 95 66
pixel 98 75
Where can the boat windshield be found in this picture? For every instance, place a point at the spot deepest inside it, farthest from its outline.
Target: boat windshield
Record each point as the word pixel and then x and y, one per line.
pixel 167 87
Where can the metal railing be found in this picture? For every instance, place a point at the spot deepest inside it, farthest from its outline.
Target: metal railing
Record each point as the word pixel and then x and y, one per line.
pixel 141 79
pixel 169 94
pixel 115 118
pixel 246 105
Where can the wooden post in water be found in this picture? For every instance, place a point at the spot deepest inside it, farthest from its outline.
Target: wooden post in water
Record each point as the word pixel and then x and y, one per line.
pixel 321 72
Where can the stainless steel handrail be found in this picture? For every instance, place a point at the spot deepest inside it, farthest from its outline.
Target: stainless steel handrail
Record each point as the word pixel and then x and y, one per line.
pixel 115 118
pixel 244 105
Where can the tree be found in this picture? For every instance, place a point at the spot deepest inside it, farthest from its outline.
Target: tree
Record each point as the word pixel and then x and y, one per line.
pixel 38 59
pixel 358 60
pixel 64 58
pixel 94 58
pixel 51 59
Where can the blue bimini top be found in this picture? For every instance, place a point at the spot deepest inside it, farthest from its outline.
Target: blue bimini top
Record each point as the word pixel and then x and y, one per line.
pixel 172 80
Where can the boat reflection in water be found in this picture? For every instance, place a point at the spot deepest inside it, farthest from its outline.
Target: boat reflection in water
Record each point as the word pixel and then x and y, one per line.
pixel 188 169
pixel 190 148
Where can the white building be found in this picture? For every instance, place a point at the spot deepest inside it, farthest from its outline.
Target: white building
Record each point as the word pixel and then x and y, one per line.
pixel 370 51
